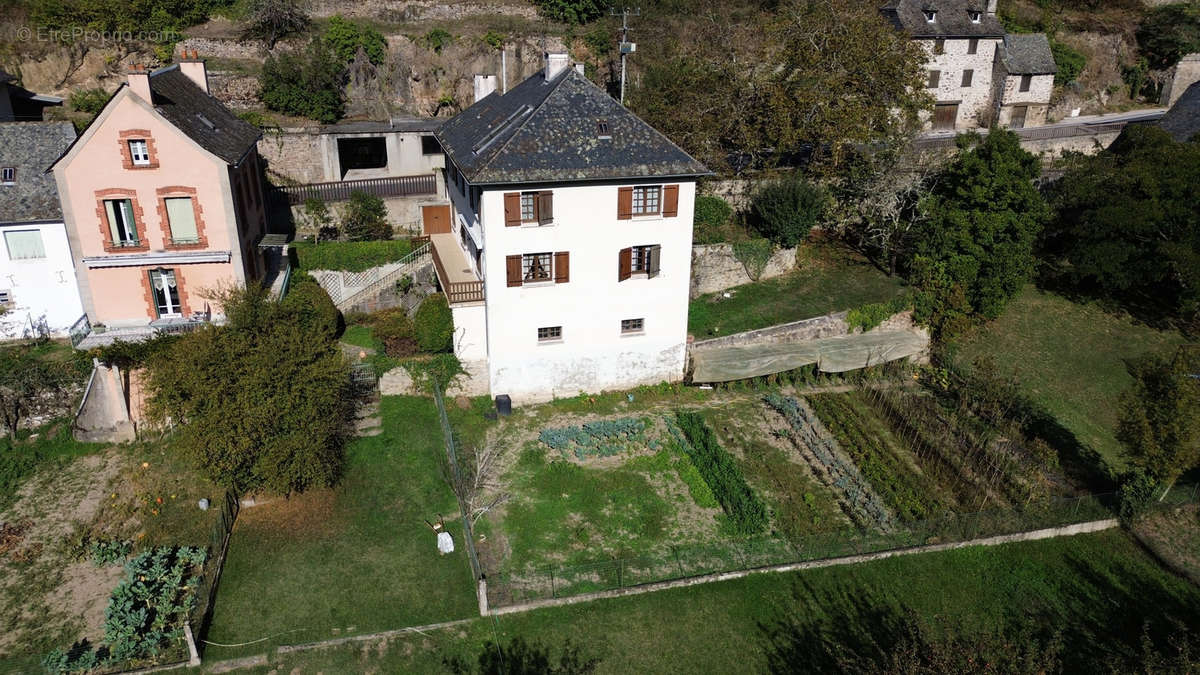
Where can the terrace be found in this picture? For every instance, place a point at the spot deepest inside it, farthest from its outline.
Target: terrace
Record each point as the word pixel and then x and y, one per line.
pixel 455 273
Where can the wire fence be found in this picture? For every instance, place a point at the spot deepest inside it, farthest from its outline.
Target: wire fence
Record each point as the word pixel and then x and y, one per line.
pixel 452 458
pixel 218 546
pixel 680 562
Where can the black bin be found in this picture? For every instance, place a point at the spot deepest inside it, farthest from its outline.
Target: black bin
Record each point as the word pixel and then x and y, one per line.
pixel 504 405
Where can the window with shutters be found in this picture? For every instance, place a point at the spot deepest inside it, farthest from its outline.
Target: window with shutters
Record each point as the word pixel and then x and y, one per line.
pixel 549 333
pixel 528 207
pixel 641 261
pixel 536 267
pixel 632 326
pixel 647 200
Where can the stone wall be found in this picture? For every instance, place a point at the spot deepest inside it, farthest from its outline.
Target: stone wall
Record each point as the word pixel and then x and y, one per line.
pixel 1183 75
pixel 715 268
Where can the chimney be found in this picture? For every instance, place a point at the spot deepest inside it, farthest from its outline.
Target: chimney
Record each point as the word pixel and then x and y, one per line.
pixel 193 66
pixel 991 7
pixel 579 69
pixel 556 62
pixel 484 85
pixel 139 80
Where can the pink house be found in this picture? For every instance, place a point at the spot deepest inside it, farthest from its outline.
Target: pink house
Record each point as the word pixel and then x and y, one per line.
pixel 163 200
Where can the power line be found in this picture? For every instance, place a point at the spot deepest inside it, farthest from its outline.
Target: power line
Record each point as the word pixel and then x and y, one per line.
pixel 626 47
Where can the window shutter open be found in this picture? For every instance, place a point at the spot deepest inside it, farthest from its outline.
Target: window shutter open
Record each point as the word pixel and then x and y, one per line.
pixel 514 270
pixel 624 203
pixel 512 210
pixel 545 207
pixel 624 264
pixel 670 201
pixel 652 262
pixel 562 267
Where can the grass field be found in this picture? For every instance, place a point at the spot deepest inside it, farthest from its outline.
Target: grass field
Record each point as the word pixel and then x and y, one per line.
pixel 350 256
pixel 1094 591
pixel 1071 359
pixel 827 279
pixel 355 559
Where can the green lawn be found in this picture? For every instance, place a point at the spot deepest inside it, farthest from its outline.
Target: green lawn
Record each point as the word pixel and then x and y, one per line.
pixel 351 256
pixel 829 280
pixel 1071 359
pixel 356 559
pixel 1095 591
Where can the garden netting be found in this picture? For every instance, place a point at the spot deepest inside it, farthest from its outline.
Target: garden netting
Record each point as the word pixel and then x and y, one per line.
pixel 832 355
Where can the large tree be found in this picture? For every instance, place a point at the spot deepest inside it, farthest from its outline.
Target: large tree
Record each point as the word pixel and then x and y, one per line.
pixel 1160 415
pixel 262 402
pixel 975 249
pixel 1127 224
pixel 31 383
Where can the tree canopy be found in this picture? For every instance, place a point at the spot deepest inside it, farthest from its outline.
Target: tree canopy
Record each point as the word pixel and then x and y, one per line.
pixel 262 402
pixel 1160 415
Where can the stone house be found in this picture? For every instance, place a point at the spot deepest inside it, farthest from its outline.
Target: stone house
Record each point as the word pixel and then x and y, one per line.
pixel 163 200
pixel 567 257
pixel 965 43
pixel 1024 80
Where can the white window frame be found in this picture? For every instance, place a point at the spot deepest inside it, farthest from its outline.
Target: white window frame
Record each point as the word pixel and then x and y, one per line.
pixel 639 204
pixel 527 263
pixel 975 16
pixel 169 303
pixel 6 298
pixel 139 151
pixel 8 175
pixel 529 205
pixel 930 15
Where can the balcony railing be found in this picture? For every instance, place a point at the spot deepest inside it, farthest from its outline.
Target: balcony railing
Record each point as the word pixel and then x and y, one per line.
pixel 396 186
pixel 457 292
pixel 125 243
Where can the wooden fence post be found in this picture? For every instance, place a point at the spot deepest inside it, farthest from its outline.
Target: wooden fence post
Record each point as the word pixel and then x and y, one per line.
pixel 193 654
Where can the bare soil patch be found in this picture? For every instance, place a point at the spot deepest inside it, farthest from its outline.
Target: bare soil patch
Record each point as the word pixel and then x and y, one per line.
pixel 1174 536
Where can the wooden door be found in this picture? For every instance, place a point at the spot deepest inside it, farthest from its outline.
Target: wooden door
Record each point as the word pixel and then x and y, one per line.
pixel 945 115
pixel 436 218
pixel 1017 121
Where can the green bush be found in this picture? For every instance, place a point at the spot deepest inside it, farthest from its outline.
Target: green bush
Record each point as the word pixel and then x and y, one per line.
pixel 785 210
pixel 572 11
pixel 438 39
pixel 394 330
pixel 1070 62
pixel 747 513
pixel 433 325
pixel 712 210
pixel 345 38
pixel 494 39
pixel 871 315
pixel 308 84
pixel 1168 32
pixel 89 101
pixel 1136 494
pixel 753 254
pixel 365 218
pixel 440 367
pixel 349 256
pixel 312 307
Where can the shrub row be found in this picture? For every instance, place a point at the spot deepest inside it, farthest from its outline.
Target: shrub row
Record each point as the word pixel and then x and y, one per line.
pixel 747 513
pixel 701 493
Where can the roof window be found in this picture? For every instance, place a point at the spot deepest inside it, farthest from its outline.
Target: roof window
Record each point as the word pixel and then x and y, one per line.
pixel 930 15
pixel 975 16
pixel 206 122
pixel 8 175
pixel 602 129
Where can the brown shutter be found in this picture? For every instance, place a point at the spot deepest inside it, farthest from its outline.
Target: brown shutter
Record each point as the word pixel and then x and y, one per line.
pixel 624 264
pixel 545 207
pixel 512 209
pixel 562 267
pixel 624 203
pixel 514 270
pixel 652 264
pixel 670 201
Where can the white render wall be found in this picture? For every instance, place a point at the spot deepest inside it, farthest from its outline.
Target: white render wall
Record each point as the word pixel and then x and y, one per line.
pixel 470 331
pixel 593 354
pixel 974 100
pixel 43 287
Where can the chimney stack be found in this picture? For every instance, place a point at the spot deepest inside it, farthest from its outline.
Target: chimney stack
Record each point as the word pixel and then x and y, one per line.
pixel 192 66
pixel 991 7
pixel 139 81
pixel 484 85
pixel 556 62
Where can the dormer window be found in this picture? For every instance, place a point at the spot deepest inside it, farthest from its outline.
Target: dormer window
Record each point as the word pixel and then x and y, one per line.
pixel 930 15
pixel 8 175
pixel 138 152
pixel 975 16
pixel 602 131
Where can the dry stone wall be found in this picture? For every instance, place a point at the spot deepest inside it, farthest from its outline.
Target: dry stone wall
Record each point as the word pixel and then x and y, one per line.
pixel 715 268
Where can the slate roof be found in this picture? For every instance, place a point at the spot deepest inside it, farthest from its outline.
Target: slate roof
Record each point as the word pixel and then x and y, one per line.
pixel 203 118
pixel 31 147
pixel 1028 54
pixel 547 131
pixel 6 77
pixel 1182 121
pixel 952 19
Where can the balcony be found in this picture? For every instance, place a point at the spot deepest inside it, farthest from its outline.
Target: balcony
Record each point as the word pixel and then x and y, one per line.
pixel 395 186
pixel 454 271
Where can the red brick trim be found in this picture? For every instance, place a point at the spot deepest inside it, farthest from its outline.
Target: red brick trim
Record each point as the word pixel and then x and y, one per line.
pixel 165 222
pixel 148 291
pixel 139 221
pixel 137 134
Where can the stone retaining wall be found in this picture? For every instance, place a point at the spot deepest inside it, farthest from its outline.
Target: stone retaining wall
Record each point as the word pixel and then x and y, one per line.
pixel 715 268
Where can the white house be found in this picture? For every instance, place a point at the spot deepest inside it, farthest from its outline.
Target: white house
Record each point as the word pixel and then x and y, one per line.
pixel 568 254
pixel 37 270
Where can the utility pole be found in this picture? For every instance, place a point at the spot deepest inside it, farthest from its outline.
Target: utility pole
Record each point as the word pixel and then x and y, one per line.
pixel 627 47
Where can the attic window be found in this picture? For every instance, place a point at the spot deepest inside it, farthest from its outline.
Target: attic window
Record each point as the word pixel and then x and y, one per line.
pixel 206 122
pixel 975 16
pixel 8 175
pixel 602 129
pixel 930 15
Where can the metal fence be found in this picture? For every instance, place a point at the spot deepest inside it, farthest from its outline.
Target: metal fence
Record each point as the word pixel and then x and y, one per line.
pixel 452 458
pixel 680 562
pixel 395 186
pixel 218 546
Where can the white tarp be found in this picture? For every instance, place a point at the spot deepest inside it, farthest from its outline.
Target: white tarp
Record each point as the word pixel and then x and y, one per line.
pixel 445 543
pixel 832 355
